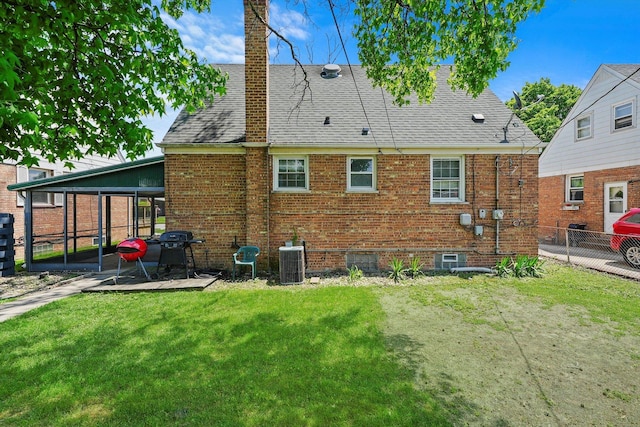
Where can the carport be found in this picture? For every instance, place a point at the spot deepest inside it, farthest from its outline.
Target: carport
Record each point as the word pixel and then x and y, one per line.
pixel 96 197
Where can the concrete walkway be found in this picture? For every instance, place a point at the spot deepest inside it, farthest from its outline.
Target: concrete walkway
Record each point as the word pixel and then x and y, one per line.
pixel 100 282
pixel 38 299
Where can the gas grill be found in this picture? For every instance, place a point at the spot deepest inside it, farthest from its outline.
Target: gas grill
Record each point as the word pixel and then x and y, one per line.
pixel 176 251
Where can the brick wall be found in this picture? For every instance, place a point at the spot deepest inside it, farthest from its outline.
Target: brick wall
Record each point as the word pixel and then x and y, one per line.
pixel 48 223
pixel 591 211
pixel 207 195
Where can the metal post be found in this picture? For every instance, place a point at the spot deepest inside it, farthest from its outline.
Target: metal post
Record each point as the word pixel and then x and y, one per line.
pixel 75 223
pixel 28 230
pixel 566 242
pixel 65 231
pixel 100 249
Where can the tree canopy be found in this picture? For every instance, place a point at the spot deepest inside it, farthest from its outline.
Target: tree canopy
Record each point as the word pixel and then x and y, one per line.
pixel 545 116
pixel 77 76
pixel 400 41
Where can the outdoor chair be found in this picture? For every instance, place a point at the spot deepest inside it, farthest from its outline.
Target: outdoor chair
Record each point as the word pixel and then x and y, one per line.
pixel 246 255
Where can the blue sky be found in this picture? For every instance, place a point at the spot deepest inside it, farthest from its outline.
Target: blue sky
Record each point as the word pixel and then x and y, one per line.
pixel 566 41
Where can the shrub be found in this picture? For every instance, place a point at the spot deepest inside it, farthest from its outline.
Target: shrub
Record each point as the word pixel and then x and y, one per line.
pixel 397 270
pixel 355 273
pixel 503 267
pixel 522 266
pixel 415 268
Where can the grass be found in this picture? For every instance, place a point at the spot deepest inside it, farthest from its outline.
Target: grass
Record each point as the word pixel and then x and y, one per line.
pixel 250 358
pixel 603 297
pixel 247 357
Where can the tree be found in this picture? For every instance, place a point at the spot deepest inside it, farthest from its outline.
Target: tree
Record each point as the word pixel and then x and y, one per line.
pixel 77 76
pixel 400 41
pixel 544 116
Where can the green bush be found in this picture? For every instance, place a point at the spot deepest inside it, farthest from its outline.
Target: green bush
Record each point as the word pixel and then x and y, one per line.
pixel 397 270
pixel 355 273
pixel 522 266
pixel 415 268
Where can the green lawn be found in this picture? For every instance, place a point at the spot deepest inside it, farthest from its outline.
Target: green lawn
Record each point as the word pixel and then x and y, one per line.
pixel 231 358
pixel 248 357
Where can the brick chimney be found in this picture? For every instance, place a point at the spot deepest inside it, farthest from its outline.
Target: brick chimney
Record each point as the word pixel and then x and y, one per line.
pixel 256 71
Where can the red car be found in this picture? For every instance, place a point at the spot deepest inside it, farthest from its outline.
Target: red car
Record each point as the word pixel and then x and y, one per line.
pixel 626 238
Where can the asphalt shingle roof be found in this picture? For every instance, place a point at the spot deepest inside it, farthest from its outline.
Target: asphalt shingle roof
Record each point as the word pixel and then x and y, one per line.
pixel 300 121
pixel 627 70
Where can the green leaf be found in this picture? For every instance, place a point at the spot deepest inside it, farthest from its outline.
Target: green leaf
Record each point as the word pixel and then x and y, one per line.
pixel 400 43
pixel 85 71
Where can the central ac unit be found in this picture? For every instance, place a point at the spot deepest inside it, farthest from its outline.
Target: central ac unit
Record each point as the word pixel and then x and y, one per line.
pixel 291 265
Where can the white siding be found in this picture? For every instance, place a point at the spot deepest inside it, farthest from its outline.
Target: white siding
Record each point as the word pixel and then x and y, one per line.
pixel 605 149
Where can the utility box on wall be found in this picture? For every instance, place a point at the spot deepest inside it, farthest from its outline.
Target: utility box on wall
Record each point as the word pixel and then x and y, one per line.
pixel 465 219
pixel 291 265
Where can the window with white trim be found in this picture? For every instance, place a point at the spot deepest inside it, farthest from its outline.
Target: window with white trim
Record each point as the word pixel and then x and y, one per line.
pixel 38 197
pixel 623 115
pixel 584 127
pixel 291 173
pixel 361 173
pixel 447 179
pixel 575 188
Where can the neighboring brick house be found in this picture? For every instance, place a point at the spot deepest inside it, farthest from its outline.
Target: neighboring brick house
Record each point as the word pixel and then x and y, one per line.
pixel 360 180
pixel 590 171
pixel 48 207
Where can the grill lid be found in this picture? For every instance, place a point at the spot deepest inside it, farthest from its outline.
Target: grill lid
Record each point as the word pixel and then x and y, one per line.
pixel 176 236
pixel 131 249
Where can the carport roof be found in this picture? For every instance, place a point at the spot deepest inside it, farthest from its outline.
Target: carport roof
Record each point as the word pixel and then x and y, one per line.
pixel 142 176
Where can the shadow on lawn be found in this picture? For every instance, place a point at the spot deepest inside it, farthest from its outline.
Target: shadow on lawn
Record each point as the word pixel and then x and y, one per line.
pixel 411 354
pixel 204 359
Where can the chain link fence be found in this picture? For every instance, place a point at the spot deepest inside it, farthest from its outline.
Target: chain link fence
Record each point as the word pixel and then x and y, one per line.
pixel 578 246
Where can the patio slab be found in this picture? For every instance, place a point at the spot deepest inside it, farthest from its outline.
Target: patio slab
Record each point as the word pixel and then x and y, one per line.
pixel 140 284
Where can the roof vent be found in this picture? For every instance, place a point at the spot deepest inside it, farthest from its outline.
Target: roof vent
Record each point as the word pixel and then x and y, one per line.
pixel 477 118
pixel 331 71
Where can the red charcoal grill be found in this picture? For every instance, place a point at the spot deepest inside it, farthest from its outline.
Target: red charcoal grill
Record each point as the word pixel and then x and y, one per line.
pixel 129 250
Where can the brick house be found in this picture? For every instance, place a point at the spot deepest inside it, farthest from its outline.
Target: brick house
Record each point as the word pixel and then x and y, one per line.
pixel 589 172
pixel 360 180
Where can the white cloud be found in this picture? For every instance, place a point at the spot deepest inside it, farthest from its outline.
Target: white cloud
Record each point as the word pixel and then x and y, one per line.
pixel 289 23
pixel 226 48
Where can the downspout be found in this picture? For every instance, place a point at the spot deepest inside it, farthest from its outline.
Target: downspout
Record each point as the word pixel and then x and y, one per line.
pixel 497 204
pixel 100 247
pixel 268 180
pixel 28 229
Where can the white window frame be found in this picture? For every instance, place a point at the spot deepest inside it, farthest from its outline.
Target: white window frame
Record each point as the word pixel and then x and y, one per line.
pixel 589 127
pixel 50 200
pixel 276 173
pixel 461 180
pixel 615 118
pixel 350 174
pixel 569 188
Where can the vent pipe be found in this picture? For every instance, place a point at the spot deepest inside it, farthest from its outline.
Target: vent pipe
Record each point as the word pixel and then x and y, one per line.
pixel 331 71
